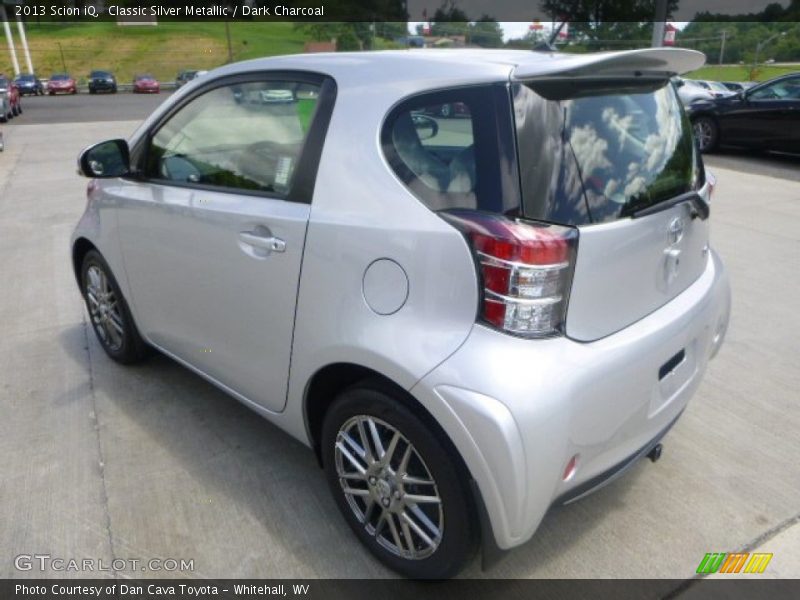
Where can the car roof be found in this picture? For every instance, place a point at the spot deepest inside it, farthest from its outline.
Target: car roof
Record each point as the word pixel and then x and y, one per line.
pixel 452 66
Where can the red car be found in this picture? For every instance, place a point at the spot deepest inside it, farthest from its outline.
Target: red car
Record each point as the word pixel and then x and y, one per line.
pixel 61 83
pixel 10 105
pixel 146 84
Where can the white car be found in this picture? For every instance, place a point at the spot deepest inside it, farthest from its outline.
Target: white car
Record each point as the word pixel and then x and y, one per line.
pixel 690 91
pixel 468 320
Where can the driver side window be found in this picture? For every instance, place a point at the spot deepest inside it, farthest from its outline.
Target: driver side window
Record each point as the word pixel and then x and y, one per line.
pixel 786 89
pixel 243 136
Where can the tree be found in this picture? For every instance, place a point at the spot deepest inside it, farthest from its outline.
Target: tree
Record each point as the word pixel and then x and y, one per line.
pixel 485 32
pixel 448 20
pixel 611 24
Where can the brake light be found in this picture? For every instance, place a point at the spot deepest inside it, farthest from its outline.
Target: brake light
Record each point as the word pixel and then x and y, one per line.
pixel 525 271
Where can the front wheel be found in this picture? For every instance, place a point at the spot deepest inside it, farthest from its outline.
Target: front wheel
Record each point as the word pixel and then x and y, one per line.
pixel 109 313
pixel 706 132
pixel 402 490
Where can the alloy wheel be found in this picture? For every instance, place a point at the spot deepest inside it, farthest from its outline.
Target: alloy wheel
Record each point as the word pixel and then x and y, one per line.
pixel 104 308
pixel 704 133
pixel 389 487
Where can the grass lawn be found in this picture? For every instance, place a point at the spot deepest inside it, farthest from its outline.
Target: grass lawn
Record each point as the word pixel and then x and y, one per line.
pixel 740 72
pixel 162 50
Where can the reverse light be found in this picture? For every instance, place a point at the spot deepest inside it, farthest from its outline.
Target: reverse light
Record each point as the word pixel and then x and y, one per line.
pixel 525 271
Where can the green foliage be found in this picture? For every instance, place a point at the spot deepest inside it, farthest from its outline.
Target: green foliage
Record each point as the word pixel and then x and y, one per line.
pixel 742 39
pixel 607 24
pixel 485 32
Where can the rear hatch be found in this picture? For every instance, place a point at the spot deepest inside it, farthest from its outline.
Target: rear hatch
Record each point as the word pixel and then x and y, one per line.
pixel 609 151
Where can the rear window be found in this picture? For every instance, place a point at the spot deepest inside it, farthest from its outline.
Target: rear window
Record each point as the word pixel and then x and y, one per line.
pixel 455 149
pixel 600 152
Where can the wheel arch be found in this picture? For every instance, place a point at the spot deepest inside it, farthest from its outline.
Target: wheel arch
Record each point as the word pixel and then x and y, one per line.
pixel 80 247
pixel 328 381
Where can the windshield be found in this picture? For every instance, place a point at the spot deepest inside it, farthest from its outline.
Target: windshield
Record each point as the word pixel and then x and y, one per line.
pixel 3 82
pixel 26 78
pixel 600 152
pixel 60 77
pixel 100 74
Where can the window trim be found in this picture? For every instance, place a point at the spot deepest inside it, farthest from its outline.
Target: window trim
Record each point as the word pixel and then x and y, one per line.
pixel 301 189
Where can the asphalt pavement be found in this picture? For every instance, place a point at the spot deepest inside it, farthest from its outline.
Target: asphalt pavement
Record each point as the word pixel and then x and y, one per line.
pixel 109 462
pixel 86 108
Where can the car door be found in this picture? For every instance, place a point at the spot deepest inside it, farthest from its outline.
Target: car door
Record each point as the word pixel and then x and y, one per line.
pixel 767 116
pixel 212 230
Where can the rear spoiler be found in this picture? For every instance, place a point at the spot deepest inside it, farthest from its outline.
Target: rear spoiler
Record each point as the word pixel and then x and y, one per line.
pixel 650 63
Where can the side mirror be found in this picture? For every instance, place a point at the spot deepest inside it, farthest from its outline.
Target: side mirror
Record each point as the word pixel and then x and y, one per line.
pixel 679 83
pixel 105 160
pixel 426 127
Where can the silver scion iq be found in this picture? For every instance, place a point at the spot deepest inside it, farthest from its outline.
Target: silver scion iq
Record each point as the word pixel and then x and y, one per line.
pixel 469 317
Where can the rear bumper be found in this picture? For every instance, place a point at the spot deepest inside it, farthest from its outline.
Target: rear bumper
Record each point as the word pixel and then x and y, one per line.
pixel 518 410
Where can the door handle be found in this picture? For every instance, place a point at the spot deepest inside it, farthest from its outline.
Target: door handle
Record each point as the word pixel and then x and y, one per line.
pixel 265 242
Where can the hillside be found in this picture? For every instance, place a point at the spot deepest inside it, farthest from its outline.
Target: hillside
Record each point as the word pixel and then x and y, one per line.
pixel 162 50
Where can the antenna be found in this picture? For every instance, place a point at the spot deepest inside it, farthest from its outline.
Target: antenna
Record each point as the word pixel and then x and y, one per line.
pixel 550 44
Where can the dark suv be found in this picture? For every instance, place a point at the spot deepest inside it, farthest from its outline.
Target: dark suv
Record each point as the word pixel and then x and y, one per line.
pixel 102 81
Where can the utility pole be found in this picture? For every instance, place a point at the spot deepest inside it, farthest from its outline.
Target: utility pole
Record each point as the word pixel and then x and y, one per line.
pixel 228 37
pixel 11 50
pixel 659 23
pixel 722 46
pixel 63 62
pixel 24 40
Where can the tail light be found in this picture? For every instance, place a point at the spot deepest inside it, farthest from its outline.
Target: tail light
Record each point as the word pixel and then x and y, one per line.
pixel 525 271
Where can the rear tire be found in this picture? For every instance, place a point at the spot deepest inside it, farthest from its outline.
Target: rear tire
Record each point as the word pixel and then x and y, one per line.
pixel 431 538
pixel 108 311
pixel 706 132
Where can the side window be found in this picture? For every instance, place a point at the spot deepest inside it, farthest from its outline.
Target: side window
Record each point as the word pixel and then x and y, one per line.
pixel 243 136
pixel 787 89
pixel 455 149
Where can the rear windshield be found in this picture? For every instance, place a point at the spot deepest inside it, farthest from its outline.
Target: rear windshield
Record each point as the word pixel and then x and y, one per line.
pixel 596 153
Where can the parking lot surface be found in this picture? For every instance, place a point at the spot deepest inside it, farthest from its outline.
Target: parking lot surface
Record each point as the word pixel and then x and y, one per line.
pixel 103 461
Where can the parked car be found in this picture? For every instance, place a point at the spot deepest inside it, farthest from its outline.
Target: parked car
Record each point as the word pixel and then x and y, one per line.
pixel 766 117
pixel 102 81
pixel 426 350
pixel 146 84
pixel 738 86
pixel 447 110
pixel 29 84
pixel 184 77
pixel 278 96
pixel 10 104
pixel 61 83
pixel 690 91
pixel 717 89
